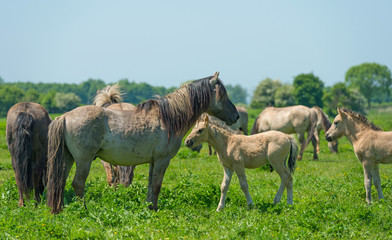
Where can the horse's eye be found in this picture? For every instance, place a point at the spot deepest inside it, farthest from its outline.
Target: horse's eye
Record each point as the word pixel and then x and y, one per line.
pixel 199 131
pixel 336 123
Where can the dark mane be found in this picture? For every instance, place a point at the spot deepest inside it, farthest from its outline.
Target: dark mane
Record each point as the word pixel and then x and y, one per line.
pixel 362 119
pixel 325 121
pixel 180 109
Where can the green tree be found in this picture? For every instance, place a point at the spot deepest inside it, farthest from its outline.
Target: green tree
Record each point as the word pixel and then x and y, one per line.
pixel 308 90
pixel 10 95
pixel 1 80
pixel 88 89
pixel 48 101
pixel 370 79
pixel 32 95
pixel 342 96
pixel 284 96
pixel 236 93
pixel 264 94
pixel 67 101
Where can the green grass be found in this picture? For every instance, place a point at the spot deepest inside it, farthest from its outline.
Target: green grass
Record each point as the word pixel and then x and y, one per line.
pixel 329 202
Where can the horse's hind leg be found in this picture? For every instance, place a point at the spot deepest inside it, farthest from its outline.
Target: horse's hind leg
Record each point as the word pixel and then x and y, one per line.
pixel 39 173
pixel 228 173
pixel 301 138
pixel 286 180
pixel 377 181
pixel 83 166
pixel 315 143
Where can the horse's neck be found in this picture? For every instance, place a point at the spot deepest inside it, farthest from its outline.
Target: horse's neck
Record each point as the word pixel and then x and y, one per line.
pixel 354 131
pixel 218 139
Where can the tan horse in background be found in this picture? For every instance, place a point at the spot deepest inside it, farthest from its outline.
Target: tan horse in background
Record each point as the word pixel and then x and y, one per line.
pixel 323 123
pixel 150 134
pixel 372 146
pixel 27 140
pixel 237 152
pixel 295 119
pixel 111 97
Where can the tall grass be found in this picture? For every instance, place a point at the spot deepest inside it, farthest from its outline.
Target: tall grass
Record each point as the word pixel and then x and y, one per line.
pixel 329 202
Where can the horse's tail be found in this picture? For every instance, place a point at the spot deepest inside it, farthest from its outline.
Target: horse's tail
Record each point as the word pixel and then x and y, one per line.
pixel 56 164
pixel 292 160
pixel 254 128
pixel 108 96
pixel 21 147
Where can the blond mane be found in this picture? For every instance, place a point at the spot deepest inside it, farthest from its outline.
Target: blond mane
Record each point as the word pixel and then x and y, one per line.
pixel 362 119
pixel 108 95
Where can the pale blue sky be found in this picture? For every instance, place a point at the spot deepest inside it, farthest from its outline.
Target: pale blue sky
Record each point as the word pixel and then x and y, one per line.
pixel 165 43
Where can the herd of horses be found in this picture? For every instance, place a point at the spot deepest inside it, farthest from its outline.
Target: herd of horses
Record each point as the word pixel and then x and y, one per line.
pixel 123 136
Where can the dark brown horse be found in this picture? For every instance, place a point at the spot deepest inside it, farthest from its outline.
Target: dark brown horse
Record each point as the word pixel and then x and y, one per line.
pixel 111 97
pixel 150 134
pixel 26 130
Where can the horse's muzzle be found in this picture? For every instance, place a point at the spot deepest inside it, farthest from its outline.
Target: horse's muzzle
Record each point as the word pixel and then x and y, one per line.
pixel 328 138
pixel 189 143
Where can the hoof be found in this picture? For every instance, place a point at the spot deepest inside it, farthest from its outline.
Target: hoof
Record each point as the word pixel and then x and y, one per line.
pixel 151 207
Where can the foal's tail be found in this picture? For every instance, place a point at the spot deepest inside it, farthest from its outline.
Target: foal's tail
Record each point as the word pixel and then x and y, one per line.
pixel 56 165
pixel 293 155
pixel 21 147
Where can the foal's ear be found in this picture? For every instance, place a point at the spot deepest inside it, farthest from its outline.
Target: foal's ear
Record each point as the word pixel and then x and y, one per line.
pixel 206 119
pixel 214 79
pixel 341 113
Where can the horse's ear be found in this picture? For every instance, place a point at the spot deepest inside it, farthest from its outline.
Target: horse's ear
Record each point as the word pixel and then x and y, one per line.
pixel 206 119
pixel 214 79
pixel 341 113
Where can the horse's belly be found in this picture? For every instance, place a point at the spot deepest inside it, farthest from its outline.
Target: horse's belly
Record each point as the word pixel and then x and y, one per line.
pixel 255 163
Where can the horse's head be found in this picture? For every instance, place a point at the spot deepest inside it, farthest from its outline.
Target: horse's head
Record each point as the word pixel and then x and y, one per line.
pixel 337 128
pixel 198 134
pixel 220 105
pixel 333 146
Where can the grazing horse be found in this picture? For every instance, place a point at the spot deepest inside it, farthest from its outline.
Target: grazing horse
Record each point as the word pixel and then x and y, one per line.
pixel 237 152
pixel 26 130
pixel 111 97
pixel 372 146
pixel 295 119
pixel 152 133
pixel 323 123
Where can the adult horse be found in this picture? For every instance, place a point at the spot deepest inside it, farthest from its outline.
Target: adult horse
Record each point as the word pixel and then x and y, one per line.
pixel 237 152
pixel 26 130
pixel 111 97
pixel 372 146
pixel 150 134
pixel 323 123
pixel 295 119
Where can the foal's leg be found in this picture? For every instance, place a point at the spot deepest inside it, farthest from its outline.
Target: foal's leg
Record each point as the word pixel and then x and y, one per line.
pixel 159 169
pixel 368 170
pixel 286 180
pixel 228 173
pixel 377 181
pixel 240 171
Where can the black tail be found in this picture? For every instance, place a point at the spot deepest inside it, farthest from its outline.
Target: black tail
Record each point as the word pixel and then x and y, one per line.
pixel 21 147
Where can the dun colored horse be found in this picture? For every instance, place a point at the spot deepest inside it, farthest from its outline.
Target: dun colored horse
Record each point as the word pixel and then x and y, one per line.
pixel 150 134
pixel 295 119
pixel 372 146
pixel 323 123
pixel 111 97
pixel 237 152
pixel 26 130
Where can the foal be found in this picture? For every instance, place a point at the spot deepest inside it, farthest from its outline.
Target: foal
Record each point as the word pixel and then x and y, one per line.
pixel 237 152
pixel 371 145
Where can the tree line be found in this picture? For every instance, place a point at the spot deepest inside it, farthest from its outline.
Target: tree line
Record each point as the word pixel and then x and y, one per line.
pixel 363 84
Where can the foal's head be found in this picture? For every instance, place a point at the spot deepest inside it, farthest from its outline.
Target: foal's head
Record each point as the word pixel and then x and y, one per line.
pixel 338 127
pixel 198 134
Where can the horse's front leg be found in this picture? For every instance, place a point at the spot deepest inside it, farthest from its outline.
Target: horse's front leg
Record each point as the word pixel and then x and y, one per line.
pixel 228 173
pixel 377 181
pixel 158 171
pixel 368 170
pixel 240 171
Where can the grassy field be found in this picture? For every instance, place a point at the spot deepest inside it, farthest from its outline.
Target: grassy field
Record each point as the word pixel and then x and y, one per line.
pixel 329 202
